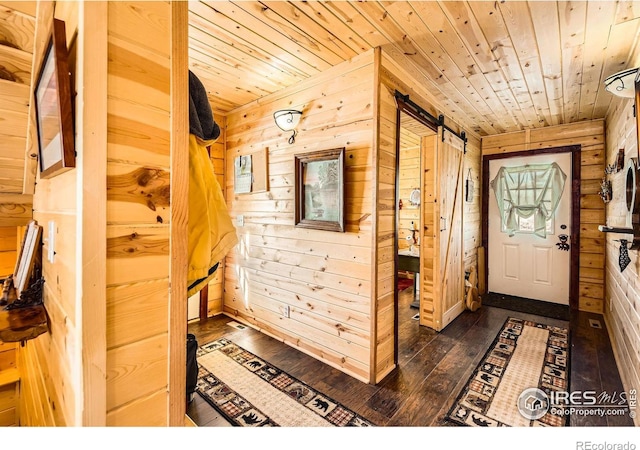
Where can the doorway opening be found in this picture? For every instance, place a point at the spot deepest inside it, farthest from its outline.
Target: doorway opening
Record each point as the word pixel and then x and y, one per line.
pixel 411 132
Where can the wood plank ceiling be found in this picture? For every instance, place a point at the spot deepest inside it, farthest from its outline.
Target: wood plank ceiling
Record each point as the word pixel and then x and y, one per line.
pixel 497 66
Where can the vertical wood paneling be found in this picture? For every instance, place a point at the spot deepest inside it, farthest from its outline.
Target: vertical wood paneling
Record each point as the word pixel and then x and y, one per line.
pixel 448 257
pixel 92 170
pixel 138 215
pixel 428 276
pixel 591 137
pixel 622 294
pixel 383 309
pixel 51 364
pixel 471 212
pixel 324 277
pixel 179 216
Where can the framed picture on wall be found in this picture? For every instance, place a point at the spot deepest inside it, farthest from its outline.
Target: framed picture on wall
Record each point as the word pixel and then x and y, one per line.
pixel 52 100
pixel 320 190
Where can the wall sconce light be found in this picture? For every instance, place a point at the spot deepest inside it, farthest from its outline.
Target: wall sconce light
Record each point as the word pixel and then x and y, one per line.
pixel 622 84
pixel 287 120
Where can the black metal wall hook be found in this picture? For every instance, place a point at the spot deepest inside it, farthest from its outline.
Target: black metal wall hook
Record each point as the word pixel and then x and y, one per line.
pixel 627 243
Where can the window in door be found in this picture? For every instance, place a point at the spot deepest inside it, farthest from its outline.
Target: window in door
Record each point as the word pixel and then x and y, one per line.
pixel 527 197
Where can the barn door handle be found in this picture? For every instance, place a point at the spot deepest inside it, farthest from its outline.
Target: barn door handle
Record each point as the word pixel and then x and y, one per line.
pixel 443 223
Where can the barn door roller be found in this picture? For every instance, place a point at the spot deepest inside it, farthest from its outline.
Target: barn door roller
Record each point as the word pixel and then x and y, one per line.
pixel 462 135
pixel 433 122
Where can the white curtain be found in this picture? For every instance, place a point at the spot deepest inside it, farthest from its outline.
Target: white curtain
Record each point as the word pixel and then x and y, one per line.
pixel 529 190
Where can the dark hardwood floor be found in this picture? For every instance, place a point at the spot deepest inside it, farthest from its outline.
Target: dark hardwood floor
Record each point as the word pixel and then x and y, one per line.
pixel 433 367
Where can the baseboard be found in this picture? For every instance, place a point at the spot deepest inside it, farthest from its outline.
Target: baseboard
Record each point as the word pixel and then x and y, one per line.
pixel 291 342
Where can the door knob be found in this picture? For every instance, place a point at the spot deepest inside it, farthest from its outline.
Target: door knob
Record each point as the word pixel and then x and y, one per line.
pixel 564 243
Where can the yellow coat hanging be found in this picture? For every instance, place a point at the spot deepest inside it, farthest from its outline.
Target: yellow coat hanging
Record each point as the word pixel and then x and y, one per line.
pixel 211 231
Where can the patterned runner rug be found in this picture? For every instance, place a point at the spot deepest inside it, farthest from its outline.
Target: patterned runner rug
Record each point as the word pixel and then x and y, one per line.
pixel 514 380
pixel 250 392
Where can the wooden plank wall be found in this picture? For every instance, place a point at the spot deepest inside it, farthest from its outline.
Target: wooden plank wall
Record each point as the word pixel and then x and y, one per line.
pixel 622 295
pixel 17 30
pixel 384 337
pixel 50 364
pixel 396 73
pixel 324 277
pixel 218 154
pixel 428 274
pixel 591 136
pixel 409 180
pixel 15 209
pixel 471 212
pixel 138 213
pixel 8 250
pixel 137 240
pixel 9 386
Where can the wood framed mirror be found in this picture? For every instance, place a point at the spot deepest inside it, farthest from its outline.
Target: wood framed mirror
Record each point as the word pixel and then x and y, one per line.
pixel 636 105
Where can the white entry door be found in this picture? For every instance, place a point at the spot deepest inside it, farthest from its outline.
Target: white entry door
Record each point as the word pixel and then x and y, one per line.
pixel 525 264
pixel 193 306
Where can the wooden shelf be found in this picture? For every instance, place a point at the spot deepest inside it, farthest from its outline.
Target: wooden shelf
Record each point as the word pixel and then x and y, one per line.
pixel 21 324
pixel 9 376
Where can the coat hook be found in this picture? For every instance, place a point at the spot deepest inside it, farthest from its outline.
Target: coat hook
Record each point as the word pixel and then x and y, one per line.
pixel 629 245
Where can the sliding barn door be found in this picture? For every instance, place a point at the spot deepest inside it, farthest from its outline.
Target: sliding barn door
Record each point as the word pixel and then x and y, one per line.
pixel 448 248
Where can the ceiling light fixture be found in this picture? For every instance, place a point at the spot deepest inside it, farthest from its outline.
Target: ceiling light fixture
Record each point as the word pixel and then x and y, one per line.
pixel 287 120
pixel 622 84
